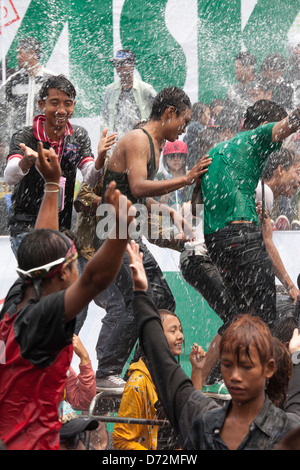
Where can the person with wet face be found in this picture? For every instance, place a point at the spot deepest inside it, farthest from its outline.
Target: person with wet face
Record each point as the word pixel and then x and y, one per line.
pixel 174 164
pixel 281 177
pixel 249 420
pixel 38 316
pixel 127 100
pixel 140 400
pixel 72 145
pixel 133 166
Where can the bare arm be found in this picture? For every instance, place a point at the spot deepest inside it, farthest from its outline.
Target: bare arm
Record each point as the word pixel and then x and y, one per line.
pixel 140 186
pixel 47 164
pixel 286 127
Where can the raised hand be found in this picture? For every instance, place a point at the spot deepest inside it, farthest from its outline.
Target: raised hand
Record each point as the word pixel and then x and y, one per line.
pixel 138 274
pixel 199 169
pixel 48 165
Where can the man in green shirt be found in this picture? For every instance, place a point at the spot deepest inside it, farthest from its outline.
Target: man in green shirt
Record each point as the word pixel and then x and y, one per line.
pixel 231 228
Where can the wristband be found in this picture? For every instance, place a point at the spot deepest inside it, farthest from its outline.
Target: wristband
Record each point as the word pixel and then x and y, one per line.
pixel 56 184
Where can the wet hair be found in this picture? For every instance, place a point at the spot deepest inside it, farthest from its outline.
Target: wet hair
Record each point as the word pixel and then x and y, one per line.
pixel 282 157
pixel 60 82
pixel 247 59
pixel 31 44
pixel 163 312
pixel 274 62
pixel 277 385
pixel 40 247
pixel 197 110
pixel 216 102
pixel 247 331
pixel 262 111
pixel 171 96
pixel 283 328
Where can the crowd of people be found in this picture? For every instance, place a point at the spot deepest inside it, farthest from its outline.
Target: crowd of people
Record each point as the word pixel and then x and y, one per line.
pixel 209 180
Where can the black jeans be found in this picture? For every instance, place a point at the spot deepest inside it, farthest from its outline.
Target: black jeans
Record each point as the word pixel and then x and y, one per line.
pixel 202 274
pixel 118 334
pixel 239 252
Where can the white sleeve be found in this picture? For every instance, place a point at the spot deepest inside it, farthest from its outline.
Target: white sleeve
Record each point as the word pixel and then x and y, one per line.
pixel 13 173
pixel 269 197
pixel 90 175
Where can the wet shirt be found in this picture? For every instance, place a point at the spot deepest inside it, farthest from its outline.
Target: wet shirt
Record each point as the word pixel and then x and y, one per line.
pixel 38 353
pixel 74 151
pixel 229 185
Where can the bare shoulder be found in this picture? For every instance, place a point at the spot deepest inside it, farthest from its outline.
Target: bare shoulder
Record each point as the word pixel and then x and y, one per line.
pixel 132 145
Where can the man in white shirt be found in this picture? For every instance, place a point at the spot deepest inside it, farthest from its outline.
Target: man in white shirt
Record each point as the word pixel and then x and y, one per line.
pixel 127 100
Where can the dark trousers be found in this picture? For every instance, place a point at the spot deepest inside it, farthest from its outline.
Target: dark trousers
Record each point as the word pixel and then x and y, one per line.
pixel 202 274
pixel 119 334
pixel 239 252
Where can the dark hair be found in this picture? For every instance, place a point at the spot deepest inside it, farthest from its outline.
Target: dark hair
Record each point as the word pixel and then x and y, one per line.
pixel 247 59
pixel 60 82
pixel 197 110
pixel 283 328
pixel 247 331
pixel 273 61
pixel 171 96
pixel 262 111
pixel 41 246
pixel 277 385
pixel 282 157
pixel 31 44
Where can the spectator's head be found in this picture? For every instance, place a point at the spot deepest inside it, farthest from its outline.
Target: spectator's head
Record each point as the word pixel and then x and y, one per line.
pixel 245 67
pixel 172 107
pixel 124 63
pixel 201 113
pixel 216 107
pixel 282 173
pixel 45 255
pixel 273 67
pixel 29 53
pixel 262 111
pixel 57 100
pixel 260 89
pixel 174 156
pixel 246 354
pixel 172 330
pixel 278 384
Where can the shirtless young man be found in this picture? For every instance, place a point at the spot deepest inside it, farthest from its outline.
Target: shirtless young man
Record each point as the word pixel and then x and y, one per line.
pixel 132 166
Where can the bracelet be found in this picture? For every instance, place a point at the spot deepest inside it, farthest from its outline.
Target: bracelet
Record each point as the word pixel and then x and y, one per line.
pixel 56 184
pixel 51 190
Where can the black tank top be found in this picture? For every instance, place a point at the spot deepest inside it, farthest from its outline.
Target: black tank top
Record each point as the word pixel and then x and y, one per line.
pixel 121 179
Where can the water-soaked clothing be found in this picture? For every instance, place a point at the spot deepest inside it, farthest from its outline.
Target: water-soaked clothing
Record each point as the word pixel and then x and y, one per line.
pixel 33 374
pixel 118 333
pixel 238 249
pixel 199 419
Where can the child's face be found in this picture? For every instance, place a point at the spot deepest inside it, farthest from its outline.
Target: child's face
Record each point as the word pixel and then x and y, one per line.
pixel 173 332
pixel 175 161
pixel 245 379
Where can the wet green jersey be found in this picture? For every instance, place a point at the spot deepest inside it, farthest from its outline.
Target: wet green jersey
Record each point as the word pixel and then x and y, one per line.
pixel 229 185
